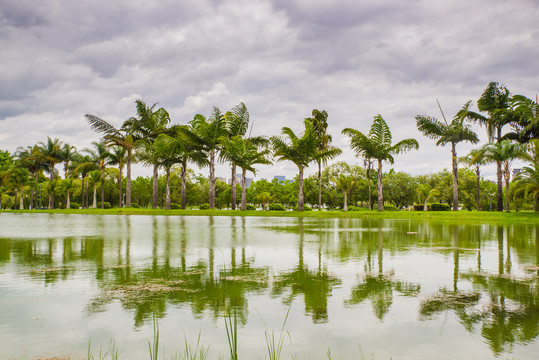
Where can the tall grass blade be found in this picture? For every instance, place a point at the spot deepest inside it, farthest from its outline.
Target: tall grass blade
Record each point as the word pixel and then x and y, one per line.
pixel 154 349
pixel 274 346
pixel 231 325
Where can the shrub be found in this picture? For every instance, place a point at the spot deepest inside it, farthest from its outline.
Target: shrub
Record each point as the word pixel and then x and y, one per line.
pixel 135 205
pixel 421 207
pixel 389 207
pixel 439 207
pixel 175 206
pixel 204 206
pixel 107 205
pixel 276 207
pixel 305 208
pixel 250 207
pixel 74 205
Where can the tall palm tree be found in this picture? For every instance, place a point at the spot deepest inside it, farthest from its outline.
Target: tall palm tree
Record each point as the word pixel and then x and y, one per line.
pixel 31 159
pixel 149 124
pixel 319 120
pixel 449 133
pixel 51 154
pixel 503 153
pixel 243 153
pixel 496 102
pixel 118 157
pixel 526 125
pixel 125 137
pixel 67 185
pixel 299 150
pixel 94 177
pixel 378 145
pixel 237 122
pixel 101 156
pixel 83 164
pixel 475 159
pixel 68 152
pixel 345 183
pixel 209 133
pixel 19 177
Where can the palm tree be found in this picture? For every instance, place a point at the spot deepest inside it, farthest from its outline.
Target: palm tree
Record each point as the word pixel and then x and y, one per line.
pixel 527 182
pixel 51 154
pixel 423 190
pixel 237 122
pixel 526 126
pixel 149 124
pixel 68 152
pixel 243 153
pixel 94 177
pixel 299 150
pixel 449 133
pixel 67 185
pixel 476 159
pixel 19 177
pixel 31 159
pixel 345 183
pixel 118 157
pixel 503 153
pixel 83 164
pixel 319 120
pixel 377 145
pixel 101 155
pixel 124 137
pixel 209 133
pixel 496 102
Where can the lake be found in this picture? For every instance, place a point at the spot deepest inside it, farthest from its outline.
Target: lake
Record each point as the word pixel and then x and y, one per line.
pixel 397 289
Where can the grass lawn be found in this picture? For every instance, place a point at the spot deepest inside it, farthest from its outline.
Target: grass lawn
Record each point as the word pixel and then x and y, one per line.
pixel 463 215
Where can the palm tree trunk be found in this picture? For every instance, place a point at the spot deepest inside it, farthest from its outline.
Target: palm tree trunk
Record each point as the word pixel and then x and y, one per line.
pixel 478 178
pixel 51 193
pixel 120 167
pixel 455 177
pixel 345 208
pixel 233 188
pixel 369 183
pixel 155 186
pixel 212 180
pixel 499 187
pixel 300 189
pixel 15 202
pixel 506 175
pixel 536 203
pixel 167 191
pixel 68 200
pixel 425 206
pixel 379 187
pixel 94 205
pixel 21 203
pixel 184 175
pixel 102 189
pixel 243 195
pixel 320 185
pixel 128 179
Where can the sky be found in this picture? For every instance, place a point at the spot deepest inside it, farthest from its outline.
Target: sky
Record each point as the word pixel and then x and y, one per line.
pixel 62 59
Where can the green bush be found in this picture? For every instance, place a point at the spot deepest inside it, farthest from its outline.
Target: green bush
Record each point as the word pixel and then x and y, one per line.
pixel 204 206
pixel 439 207
pixel 389 207
pixel 107 205
pixel 305 208
pixel 74 205
pixel 276 207
pixel 135 205
pixel 421 207
pixel 175 206
pixel 250 207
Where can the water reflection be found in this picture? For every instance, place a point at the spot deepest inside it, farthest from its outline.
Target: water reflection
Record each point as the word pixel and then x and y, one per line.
pixel 485 276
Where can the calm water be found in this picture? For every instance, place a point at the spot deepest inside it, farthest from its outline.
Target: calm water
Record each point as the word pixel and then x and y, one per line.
pixel 449 291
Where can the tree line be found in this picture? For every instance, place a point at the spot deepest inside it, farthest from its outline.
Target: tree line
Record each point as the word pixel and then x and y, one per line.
pixel 150 139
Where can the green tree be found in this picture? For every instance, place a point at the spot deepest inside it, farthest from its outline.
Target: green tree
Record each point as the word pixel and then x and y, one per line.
pixel 209 133
pixel 378 145
pixel 526 125
pixel 527 183
pixel 320 124
pixel 243 153
pixel 101 156
pixel 94 177
pixel 51 154
pixel 475 159
pixel 345 183
pixel 496 102
pixel 299 150
pixel 68 185
pixel 400 188
pixel 449 133
pixel 118 156
pixel 503 153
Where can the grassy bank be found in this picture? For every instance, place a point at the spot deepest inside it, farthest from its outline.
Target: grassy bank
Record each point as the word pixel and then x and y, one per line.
pixel 474 216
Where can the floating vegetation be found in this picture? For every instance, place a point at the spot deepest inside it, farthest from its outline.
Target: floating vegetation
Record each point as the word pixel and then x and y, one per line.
pixel 447 300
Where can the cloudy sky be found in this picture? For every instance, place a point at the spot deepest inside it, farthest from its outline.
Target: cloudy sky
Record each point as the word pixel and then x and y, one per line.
pixel 61 59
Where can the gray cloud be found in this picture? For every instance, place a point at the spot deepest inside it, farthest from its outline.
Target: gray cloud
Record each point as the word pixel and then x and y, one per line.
pixel 61 60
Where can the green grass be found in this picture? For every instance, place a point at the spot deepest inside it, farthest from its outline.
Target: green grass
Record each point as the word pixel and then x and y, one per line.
pixel 527 216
